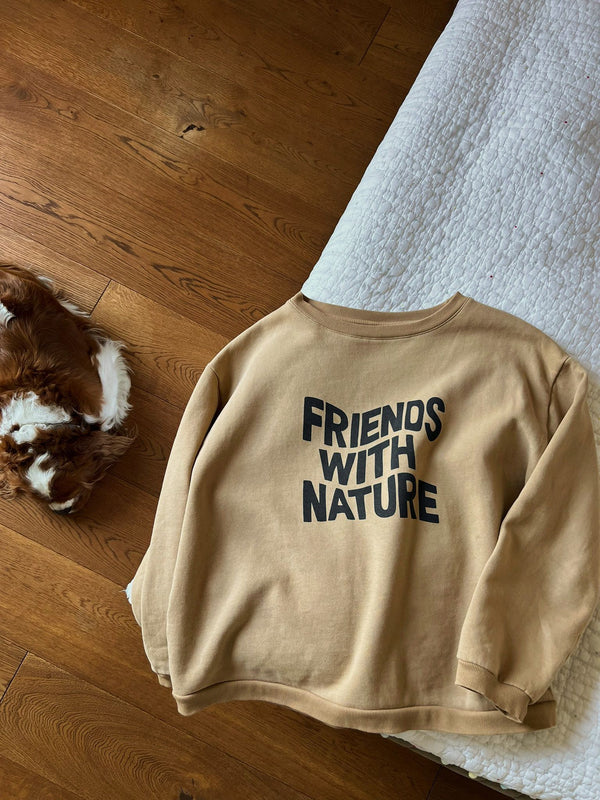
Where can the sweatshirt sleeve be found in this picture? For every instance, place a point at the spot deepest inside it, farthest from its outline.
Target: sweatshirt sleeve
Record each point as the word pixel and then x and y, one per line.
pixel 541 585
pixel 151 585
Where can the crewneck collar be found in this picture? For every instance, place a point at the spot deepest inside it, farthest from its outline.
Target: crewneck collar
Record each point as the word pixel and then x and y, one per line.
pixel 370 324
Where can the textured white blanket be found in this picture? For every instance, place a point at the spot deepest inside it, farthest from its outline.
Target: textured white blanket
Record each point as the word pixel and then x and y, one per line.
pixel 487 182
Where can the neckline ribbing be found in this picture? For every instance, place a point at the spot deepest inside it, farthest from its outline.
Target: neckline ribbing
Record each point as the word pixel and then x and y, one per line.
pixel 370 324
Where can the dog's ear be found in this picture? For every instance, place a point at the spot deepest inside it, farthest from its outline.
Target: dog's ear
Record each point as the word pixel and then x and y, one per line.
pixel 101 450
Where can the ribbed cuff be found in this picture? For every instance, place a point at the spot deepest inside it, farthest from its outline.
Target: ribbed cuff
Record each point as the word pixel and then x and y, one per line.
pixel 164 680
pixel 512 701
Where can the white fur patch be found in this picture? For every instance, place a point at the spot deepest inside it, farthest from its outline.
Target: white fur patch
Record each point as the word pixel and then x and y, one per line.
pixel 72 308
pixel 116 383
pixel 5 315
pixel 39 477
pixel 26 411
pixel 62 506
pixel 48 281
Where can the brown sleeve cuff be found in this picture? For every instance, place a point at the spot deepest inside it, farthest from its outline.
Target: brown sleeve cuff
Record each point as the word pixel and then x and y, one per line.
pixel 512 701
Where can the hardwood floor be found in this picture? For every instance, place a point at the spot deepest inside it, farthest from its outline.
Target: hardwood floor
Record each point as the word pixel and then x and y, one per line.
pixel 177 167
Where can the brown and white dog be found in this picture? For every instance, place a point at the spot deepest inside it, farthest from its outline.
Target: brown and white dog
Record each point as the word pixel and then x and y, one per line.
pixel 64 388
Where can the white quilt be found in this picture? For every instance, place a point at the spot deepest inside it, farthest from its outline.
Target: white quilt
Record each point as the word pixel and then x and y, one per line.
pixel 487 182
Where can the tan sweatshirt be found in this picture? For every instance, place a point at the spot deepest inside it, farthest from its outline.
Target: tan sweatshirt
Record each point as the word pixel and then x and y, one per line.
pixel 387 521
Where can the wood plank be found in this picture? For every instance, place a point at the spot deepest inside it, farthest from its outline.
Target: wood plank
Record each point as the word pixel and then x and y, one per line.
pixel 11 656
pixel 128 155
pixel 82 285
pixel 154 255
pixel 88 137
pixel 229 120
pixel 406 38
pixel 19 783
pixel 167 351
pixel 109 535
pixel 226 40
pixel 144 463
pixel 66 611
pixel 344 29
pixel 82 622
pixel 450 785
pixel 96 745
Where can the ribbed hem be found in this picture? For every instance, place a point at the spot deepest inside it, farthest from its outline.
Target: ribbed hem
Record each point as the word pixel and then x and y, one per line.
pixel 384 720
pixel 512 701
pixel 158 661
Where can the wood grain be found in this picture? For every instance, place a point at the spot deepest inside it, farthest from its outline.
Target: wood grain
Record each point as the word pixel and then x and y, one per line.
pixel 156 420
pixel 344 29
pixel 11 656
pixel 72 617
pixel 450 785
pixel 95 745
pixel 19 783
pixel 409 31
pixel 82 285
pixel 167 351
pixel 86 136
pixel 137 247
pixel 268 60
pixel 269 139
pixel 108 536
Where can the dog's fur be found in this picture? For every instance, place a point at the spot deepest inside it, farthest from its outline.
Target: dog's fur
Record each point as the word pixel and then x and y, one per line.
pixel 64 388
